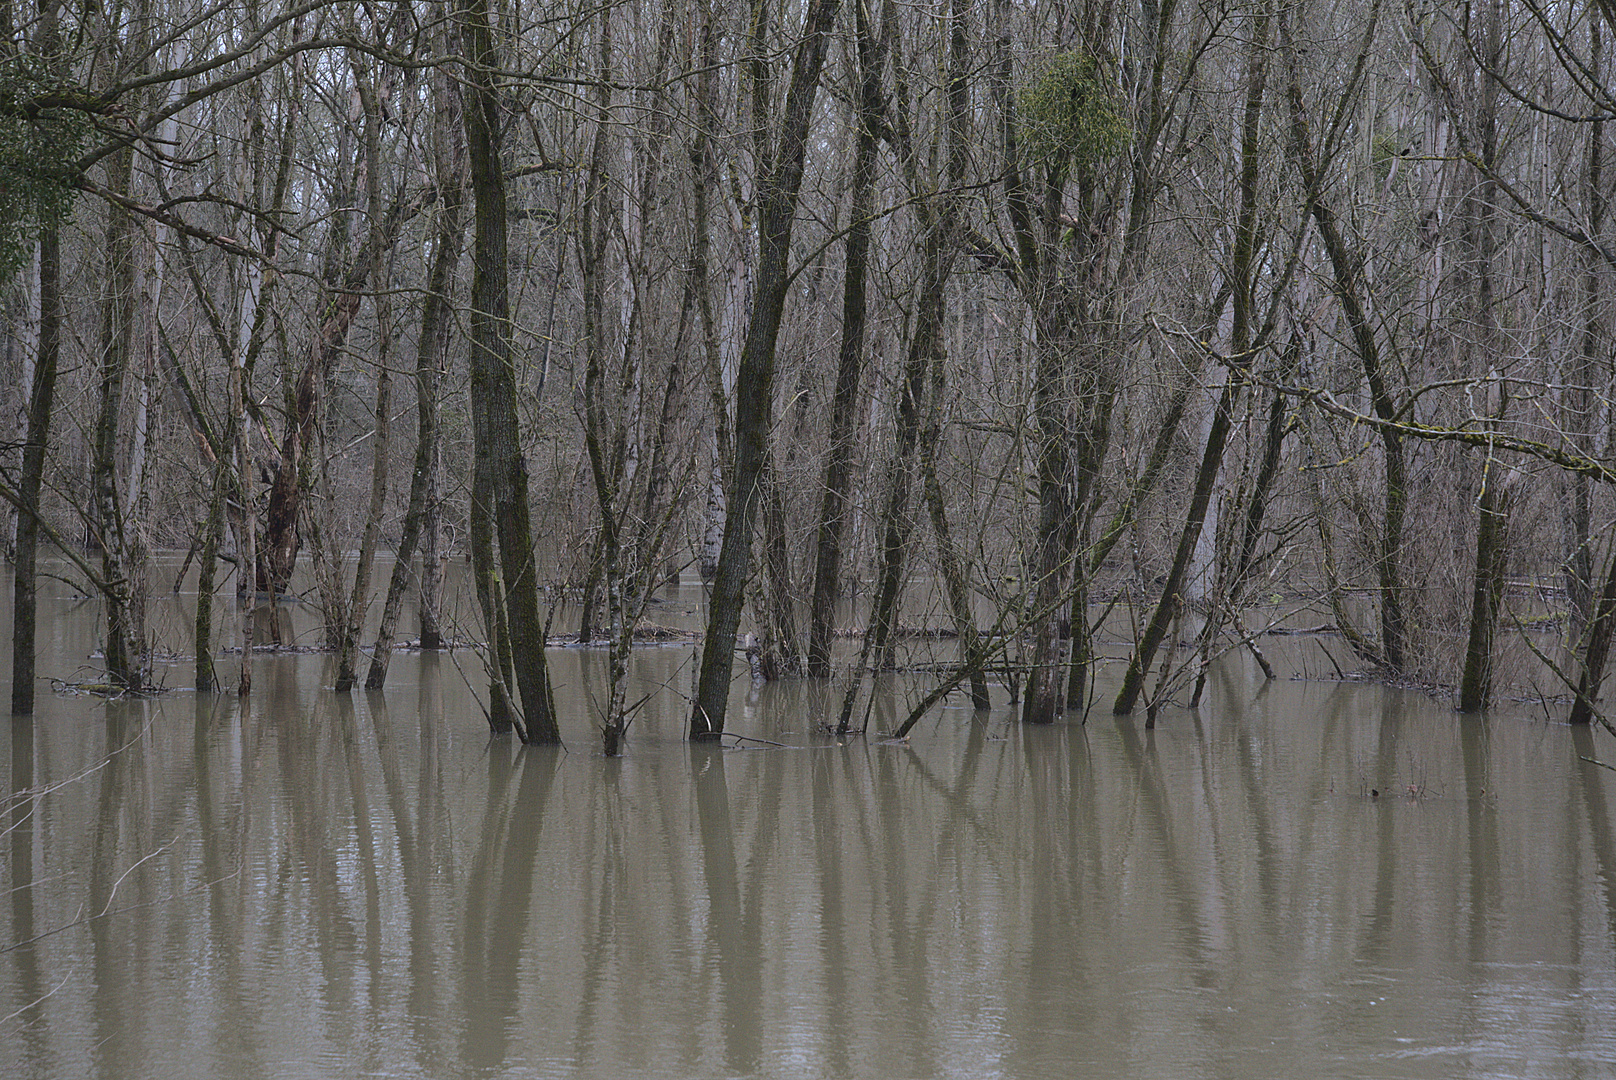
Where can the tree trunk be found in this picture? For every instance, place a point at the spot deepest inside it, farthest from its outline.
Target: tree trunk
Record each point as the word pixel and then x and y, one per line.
pixel 831 533
pixel 1492 531
pixel 704 180
pixel 248 323
pixel 1349 290
pixel 345 294
pixel 436 324
pixel 206 572
pixel 1492 555
pixel 778 192
pixel 925 349
pixel 502 711
pixel 359 601
pixel 433 557
pixel 41 399
pixel 606 467
pixel 1598 651
pixel 1582 401
pixel 1052 561
pixel 495 428
pixel 1244 340
pixel 1171 602
pixel 956 581
pixel 115 530
pixel 780 651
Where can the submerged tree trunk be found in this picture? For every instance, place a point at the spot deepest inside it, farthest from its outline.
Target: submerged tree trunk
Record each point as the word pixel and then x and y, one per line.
pixel 1172 602
pixel 207 570
pixel 1051 562
pixel 601 436
pixel 778 190
pixel 115 530
pixel 436 324
pixel 1350 291
pixel 831 532
pixel 41 400
pixel 956 581
pixel 495 428
pixel 1597 652
pixel 954 570
pixel 359 599
pixel 1492 552
pixel 503 713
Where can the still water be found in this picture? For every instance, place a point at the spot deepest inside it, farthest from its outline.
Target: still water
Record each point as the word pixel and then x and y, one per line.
pixel 314 885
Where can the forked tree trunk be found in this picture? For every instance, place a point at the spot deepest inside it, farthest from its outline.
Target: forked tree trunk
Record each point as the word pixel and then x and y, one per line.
pixel 300 435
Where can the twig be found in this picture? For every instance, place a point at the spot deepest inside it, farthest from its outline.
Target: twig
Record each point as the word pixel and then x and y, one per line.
pixel 750 738
pixel 136 865
pixel 1564 677
pixel 84 919
pixel 51 993
pixel 14 802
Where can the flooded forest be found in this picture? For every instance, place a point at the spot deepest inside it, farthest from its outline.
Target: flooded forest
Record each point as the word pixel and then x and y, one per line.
pixel 808 539
pixel 1187 320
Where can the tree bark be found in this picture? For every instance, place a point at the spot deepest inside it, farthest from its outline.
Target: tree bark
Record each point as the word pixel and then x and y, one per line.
pixel 1492 554
pixel 495 428
pixel 115 531
pixel 831 532
pixel 41 402
pixel 778 193
pixel 430 350
pixel 1171 602
pixel 1600 631
pixel 1349 290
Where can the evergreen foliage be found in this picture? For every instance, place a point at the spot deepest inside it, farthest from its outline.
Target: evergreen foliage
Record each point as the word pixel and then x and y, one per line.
pixel 38 145
pixel 1069 114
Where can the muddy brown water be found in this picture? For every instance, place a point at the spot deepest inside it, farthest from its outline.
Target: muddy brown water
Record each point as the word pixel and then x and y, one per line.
pixel 1304 879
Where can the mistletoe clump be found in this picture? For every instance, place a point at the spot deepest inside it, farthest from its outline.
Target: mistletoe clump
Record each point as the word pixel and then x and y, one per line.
pixel 39 141
pixel 1069 114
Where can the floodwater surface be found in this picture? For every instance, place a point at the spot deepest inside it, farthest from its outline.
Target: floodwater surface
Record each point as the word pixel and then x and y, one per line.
pixel 1303 879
